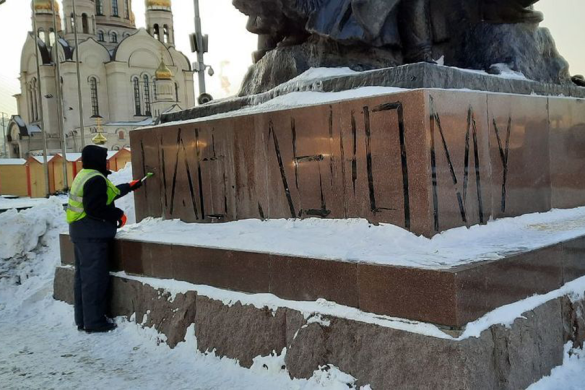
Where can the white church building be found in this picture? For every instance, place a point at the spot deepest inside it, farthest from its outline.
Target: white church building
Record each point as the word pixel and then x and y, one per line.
pixel 129 76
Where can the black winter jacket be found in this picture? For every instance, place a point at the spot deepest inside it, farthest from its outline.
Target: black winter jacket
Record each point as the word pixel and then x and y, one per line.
pixel 101 220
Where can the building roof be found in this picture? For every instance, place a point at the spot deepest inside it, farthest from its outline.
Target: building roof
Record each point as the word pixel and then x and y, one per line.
pixel 12 161
pixel 41 159
pixel 71 157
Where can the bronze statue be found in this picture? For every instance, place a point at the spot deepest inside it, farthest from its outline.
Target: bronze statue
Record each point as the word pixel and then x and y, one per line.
pixel 370 34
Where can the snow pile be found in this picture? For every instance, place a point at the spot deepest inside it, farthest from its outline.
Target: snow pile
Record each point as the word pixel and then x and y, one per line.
pixel 28 234
pixel 356 240
pixel 315 74
pixel 29 252
pixel 126 203
pixel 295 100
pixel 23 203
pixel 569 376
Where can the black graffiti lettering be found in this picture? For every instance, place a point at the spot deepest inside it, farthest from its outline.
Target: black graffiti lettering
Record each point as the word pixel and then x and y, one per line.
pixel 165 198
pixel 331 155
pixel 298 160
pixel 471 133
pixel 393 106
pixel 354 159
pixel 504 154
pixel 174 185
pixel 291 205
pixel 199 173
pixel 343 173
pixel 190 180
pixel 144 172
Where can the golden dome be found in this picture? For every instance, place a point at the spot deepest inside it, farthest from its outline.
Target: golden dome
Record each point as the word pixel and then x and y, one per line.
pixel 158 4
pixel 163 72
pixel 45 6
pixel 99 139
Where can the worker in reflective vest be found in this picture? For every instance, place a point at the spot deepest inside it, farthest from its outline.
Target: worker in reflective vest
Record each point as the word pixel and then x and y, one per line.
pixel 93 222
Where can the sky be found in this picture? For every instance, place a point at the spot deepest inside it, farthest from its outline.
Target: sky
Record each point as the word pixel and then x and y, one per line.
pixel 231 45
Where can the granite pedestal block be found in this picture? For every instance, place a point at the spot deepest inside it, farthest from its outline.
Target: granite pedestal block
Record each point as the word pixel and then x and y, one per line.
pixel 501 358
pixel 450 297
pixel 425 160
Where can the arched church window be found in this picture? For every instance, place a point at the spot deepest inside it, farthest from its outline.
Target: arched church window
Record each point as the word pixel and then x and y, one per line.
pixel 113 37
pixel 126 9
pixel 35 99
pixel 51 37
pixel 101 37
pixel 41 34
pixel 137 105
pixel 99 7
pixel 166 32
pixel 154 89
pixel 95 108
pixel 176 92
pixel 147 109
pixel 121 134
pixel 84 24
pixel 115 11
pixel 29 95
pixel 72 22
pixel 156 32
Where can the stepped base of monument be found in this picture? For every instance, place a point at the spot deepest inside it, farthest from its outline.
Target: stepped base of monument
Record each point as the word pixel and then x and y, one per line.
pixel 385 353
pixel 449 297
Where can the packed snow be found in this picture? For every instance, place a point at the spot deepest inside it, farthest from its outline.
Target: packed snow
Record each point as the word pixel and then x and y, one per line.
pixel 314 311
pixel 295 100
pixel 356 240
pixel 41 347
pixel 7 203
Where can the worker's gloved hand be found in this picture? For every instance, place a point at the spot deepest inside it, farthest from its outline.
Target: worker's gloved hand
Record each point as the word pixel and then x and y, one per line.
pixel 135 184
pixel 122 221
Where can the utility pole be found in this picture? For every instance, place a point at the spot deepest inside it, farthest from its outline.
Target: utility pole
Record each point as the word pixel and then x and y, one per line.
pixel 40 97
pixel 59 96
pixel 79 94
pixel 4 134
pixel 200 38
pixel 200 45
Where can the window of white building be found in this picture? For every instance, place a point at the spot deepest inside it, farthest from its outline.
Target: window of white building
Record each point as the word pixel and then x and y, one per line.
pixel 137 105
pixel 147 107
pixel 95 107
pixel 99 7
pixel 115 11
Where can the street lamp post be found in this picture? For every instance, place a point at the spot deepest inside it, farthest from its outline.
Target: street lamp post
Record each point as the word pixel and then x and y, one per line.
pixel 40 97
pixel 59 96
pixel 199 45
pixel 79 94
pixel 4 132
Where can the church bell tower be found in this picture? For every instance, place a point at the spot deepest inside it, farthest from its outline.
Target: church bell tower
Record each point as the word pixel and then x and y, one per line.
pixel 159 21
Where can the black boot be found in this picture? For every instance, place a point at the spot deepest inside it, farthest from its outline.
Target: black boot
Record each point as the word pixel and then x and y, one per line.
pixel 104 329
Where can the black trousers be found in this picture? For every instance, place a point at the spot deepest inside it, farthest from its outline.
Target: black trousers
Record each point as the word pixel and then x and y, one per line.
pixel 92 280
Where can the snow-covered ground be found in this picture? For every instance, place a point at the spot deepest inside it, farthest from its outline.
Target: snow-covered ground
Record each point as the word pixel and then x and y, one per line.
pixel 355 240
pixel 24 203
pixel 41 348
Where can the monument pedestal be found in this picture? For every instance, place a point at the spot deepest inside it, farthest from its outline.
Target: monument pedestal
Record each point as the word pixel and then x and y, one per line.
pixel 425 160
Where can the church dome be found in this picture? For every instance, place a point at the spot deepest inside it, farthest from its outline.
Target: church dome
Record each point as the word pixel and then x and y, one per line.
pixel 44 6
pixel 158 4
pixel 163 72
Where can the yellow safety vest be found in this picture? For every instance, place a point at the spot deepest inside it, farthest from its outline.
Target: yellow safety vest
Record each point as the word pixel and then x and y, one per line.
pixel 75 211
